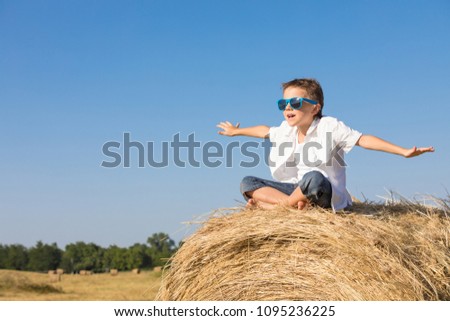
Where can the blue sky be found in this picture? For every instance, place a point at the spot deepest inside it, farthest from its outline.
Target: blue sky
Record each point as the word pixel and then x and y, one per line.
pixel 77 74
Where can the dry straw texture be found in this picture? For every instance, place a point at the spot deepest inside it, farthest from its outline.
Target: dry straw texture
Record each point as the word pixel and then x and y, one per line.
pixel 373 252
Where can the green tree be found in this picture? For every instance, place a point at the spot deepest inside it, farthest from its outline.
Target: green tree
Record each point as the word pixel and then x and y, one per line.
pixel 3 256
pixel 17 257
pixel 82 256
pixel 138 257
pixel 43 257
pixel 115 258
pixel 161 248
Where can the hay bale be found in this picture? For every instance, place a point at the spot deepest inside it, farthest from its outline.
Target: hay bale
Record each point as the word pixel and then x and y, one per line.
pixel 114 272
pixel 51 272
pixel 60 271
pixel 135 271
pixel 83 272
pixel 157 269
pixel 284 254
pixel 54 277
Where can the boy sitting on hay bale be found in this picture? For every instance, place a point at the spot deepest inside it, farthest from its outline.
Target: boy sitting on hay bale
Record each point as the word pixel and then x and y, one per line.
pixel 306 158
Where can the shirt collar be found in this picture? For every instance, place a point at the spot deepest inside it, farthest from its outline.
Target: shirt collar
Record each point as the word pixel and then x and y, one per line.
pixel 311 128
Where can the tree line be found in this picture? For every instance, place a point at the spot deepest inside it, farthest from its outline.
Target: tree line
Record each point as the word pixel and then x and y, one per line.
pixel 87 256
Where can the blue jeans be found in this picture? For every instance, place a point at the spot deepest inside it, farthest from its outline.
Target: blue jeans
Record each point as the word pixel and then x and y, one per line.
pixel 314 186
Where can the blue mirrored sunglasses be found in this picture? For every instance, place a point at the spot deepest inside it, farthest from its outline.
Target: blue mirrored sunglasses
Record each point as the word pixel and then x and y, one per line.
pixel 295 102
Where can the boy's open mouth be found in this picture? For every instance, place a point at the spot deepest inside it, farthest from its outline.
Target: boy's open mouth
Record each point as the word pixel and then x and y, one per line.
pixel 290 115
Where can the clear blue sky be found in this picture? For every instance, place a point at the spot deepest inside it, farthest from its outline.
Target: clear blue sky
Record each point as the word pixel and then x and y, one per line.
pixel 76 74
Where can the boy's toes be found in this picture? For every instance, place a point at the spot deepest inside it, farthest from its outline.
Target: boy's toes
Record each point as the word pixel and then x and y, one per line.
pixel 301 205
pixel 251 203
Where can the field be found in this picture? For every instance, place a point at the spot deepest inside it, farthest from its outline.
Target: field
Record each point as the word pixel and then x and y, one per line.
pixel 126 286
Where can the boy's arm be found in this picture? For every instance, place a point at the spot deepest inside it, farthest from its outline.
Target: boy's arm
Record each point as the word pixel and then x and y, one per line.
pixel 229 129
pixel 375 143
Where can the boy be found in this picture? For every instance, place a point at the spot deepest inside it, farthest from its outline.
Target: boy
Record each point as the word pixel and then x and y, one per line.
pixel 307 159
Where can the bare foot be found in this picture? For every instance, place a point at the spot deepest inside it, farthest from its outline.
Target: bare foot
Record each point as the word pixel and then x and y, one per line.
pixel 301 205
pixel 251 203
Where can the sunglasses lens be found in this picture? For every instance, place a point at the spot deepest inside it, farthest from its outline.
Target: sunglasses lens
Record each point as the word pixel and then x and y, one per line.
pixel 296 103
pixel 282 104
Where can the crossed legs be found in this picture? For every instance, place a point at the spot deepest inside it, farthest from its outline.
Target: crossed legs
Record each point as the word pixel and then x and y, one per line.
pixel 268 197
pixel 313 188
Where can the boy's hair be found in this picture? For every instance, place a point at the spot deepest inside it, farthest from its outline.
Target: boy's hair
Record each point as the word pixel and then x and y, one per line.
pixel 312 88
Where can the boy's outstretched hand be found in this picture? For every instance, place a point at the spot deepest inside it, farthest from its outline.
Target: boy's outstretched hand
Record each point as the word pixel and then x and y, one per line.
pixel 375 143
pixel 417 151
pixel 228 128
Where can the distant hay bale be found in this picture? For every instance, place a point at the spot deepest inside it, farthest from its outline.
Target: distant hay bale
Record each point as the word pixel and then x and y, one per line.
pixel 136 271
pixel 114 272
pixel 54 277
pixel 59 271
pixel 86 272
pixel 398 252
pixel 51 272
pixel 157 269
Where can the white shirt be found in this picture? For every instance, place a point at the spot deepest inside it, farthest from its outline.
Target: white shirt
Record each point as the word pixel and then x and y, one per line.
pixel 322 150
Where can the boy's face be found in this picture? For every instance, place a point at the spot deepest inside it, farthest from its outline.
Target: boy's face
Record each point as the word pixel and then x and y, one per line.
pixel 305 115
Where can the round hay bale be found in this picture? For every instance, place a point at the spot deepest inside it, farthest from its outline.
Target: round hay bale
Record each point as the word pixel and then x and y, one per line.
pixel 284 254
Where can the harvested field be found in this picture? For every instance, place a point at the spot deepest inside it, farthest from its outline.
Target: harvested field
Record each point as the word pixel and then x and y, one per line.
pixel 372 252
pixel 32 286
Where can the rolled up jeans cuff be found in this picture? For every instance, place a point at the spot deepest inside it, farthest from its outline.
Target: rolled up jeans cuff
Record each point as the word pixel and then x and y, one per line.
pixel 316 188
pixel 252 183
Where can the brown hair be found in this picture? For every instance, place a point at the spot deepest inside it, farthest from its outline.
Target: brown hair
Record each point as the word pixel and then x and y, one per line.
pixel 312 88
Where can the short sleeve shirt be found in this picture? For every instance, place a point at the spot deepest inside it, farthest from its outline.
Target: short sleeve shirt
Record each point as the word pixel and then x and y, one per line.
pixel 323 150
